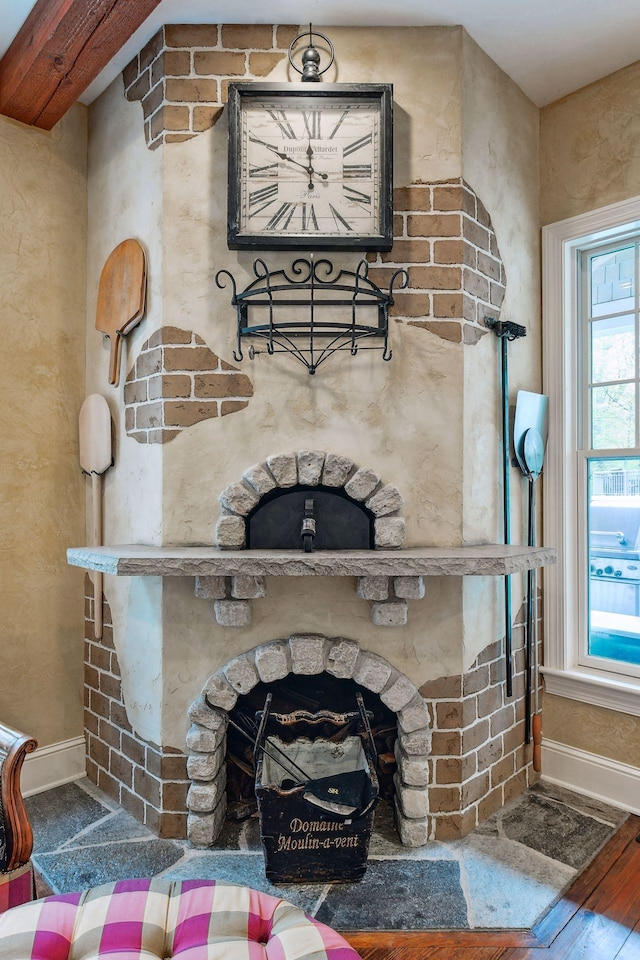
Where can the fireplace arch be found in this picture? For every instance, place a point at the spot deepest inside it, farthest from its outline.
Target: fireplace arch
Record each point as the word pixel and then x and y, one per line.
pixel 311 469
pixel 307 655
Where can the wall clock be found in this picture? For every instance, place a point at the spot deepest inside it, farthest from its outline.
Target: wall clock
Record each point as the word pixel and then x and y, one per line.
pixel 310 166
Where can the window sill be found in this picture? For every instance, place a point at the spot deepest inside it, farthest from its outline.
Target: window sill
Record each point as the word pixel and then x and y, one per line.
pixel 601 690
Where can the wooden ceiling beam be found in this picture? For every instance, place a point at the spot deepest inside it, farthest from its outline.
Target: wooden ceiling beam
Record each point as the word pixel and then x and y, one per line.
pixel 60 49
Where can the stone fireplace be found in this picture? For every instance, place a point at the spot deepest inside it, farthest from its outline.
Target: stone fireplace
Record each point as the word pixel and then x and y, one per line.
pixel 189 610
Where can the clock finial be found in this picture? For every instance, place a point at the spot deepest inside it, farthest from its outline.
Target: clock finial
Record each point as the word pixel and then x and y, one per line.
pixel 310 71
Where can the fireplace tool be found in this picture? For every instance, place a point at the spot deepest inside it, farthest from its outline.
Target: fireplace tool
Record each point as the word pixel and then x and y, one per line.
pixel 506 331
pixel 349 794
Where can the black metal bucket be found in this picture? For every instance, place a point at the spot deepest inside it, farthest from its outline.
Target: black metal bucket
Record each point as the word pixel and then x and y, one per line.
pixel 316 788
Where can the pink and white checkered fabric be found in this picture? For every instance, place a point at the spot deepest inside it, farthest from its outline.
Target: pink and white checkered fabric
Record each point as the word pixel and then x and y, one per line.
pixel 147 919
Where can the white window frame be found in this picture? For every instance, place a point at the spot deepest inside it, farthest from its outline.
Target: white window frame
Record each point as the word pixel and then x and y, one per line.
pixel 563 673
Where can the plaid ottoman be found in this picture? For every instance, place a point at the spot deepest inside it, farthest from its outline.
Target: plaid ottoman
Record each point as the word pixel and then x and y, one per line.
pixel 147 919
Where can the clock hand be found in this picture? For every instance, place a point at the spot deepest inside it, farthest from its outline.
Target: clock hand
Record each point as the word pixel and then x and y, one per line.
pixel 283 156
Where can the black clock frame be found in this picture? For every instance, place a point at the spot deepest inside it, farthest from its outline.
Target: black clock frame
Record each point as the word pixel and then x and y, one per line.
pixel 244 91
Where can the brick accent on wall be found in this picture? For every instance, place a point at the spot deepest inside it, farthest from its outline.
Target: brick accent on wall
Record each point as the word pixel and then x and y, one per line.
pixel 148 780
pixel 181 76
pixel 478 757
pixel 177 381
pixel 444 239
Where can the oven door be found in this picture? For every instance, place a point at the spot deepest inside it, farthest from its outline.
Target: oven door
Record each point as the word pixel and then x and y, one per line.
pixel 619 597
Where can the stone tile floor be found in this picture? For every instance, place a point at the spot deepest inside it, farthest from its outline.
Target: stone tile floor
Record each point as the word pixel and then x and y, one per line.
pixel 505 874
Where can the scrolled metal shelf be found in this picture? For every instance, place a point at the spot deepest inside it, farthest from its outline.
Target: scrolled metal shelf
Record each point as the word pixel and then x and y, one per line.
pixel 309 286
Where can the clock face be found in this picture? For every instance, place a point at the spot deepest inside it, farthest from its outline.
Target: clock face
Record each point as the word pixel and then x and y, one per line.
pixel 310 172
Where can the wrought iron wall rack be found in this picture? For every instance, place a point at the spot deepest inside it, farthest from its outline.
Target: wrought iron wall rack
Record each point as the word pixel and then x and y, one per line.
pixel 313 310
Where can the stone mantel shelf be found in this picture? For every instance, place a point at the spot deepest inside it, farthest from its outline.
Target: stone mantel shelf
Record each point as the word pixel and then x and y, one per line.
pixel 133 560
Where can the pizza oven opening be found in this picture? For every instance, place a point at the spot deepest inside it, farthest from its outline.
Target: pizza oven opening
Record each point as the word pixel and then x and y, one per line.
pixel 306 518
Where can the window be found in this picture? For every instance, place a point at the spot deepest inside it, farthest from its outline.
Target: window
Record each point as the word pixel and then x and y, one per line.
pixel 591 366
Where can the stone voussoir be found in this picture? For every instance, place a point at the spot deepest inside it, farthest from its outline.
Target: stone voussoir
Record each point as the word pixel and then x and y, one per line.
pixel 413 833
pixel 284 467
pixel 204 797
pixel 307 653
pixel 417 743
pixel 200 712
pixel 260 478
pixel 415 716
pixel 413 801
pixel 231 533
pixel 385 501
pixel 372 672
pixel 219 692
pixel 399 693
pixel 310 463
pixel 272 661
pixel 336 470
pixel 389 532
pixel 239 498
pixel 202 739
pixel 206 766
pixel 341 658
pixel 413 771
pixel 241 673
pixel 362 484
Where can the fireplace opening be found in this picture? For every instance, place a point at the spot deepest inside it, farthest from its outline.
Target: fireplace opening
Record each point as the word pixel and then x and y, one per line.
pixel 311 693
pixel 339 522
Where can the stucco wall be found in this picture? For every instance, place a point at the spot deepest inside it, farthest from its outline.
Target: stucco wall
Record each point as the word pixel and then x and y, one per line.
pixel 42 303
pixel 590 157
pixel 405 419
pixel 590 147
pixel 500 145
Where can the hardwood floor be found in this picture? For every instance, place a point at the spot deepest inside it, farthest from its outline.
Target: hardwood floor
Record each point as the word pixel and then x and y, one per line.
pixel 597 919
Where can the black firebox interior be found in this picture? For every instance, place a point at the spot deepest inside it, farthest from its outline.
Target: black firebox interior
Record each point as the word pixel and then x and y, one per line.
pixel 340 522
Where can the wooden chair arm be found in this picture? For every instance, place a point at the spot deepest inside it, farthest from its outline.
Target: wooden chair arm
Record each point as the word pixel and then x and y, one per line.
pixel 14 746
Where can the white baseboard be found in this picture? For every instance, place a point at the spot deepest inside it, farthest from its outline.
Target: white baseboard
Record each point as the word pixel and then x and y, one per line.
pixel 598 777
pixel 54 765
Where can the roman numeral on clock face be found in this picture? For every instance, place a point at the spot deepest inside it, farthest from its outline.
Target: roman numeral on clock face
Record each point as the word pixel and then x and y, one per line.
pixel 356 195
pixel 312 121
pixel 269 170
pixel 339 123
pixel 339 219
pixel 356 171
pixel 261 198
pixel 309 221
pixel 282 217
pixel 280 118
pixel 357 145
